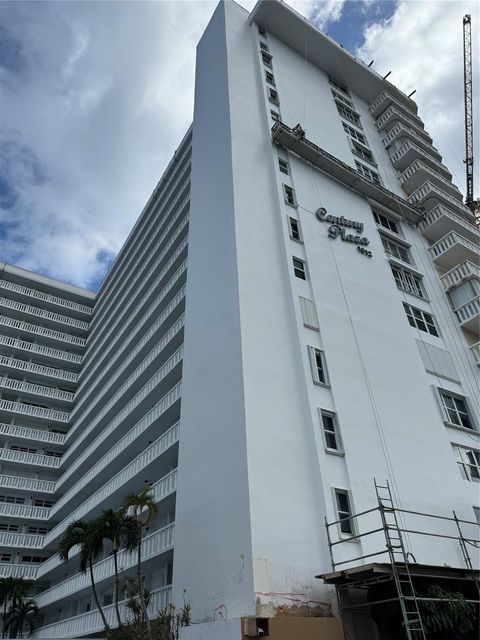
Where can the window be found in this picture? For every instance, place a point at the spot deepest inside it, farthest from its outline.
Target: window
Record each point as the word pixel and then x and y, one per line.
pixel 476 511
pixel 5 557
pixel 367 173
pixel 16 447
pixel 338 85
pixel 294 229
pixel 283 166
pixel 289 195
pixel 12 500
pixel 275 116
pixel 330 431
pixel 363 152
pixel 299 268
pixel 456 410
pixel 407 281
pixel 386 222
pixel 309 313
pixel 353 133
pixel 344 511
pixel 42 503
pixel 267 59
pixel 264 46
pixel 420 320
pixel 317 363
pixel 13 528
pixel 348 114
pixel 107 599
pixel 396 249
pixel 273 96
pixel 40 531
pixel 269 78
pixel 53 454
pixel 262 32
pixel 468 461
pixel 341 98
pixel 34 559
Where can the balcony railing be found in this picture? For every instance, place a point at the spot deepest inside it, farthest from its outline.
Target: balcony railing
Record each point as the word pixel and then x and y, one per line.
pixel 23 511
pixel 152 545
pixel 23 457
pixel 475 349
pixel 392 115
pixel 56 354
pixel 402 131
pixel 409 152
pixel 36 389
pixel 34 412
pixel 440 220
pixel 385 99
pixel 469 316
pixel 452 250
pixel 418 172
pixel 459 274
pixel 39 369
pixel 46 297
pixel 10 570
pixel 20 325
pixel 91 622
pixel 27 484
pixel 429 195
pixel 28 433
pixel 21 540
pixel 43 313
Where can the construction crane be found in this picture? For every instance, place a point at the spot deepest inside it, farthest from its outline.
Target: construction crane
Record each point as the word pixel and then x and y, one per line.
pixel 467 67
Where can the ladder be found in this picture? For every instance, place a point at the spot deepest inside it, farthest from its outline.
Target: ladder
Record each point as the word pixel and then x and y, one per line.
pixel 412 620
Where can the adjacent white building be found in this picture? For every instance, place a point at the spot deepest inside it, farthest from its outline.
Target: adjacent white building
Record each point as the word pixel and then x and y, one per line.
pixel 294 315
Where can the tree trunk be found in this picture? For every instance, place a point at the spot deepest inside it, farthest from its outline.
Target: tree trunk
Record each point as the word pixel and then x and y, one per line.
pixel 97 601
pixel 140 585
pixel 117 585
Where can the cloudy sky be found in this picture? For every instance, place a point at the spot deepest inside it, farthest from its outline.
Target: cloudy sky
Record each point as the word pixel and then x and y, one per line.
pixel 95 97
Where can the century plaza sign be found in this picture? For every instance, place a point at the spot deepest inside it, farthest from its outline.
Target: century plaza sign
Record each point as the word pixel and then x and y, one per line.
pixel 338 229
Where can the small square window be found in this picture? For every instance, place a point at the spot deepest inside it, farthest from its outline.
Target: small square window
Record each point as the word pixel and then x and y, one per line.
pixel 262 32
pixel 386 222
pixel 408 281
pixel 273 95
pixel 289 195
pixel 456 410
pixel 468 461
pixel 275 116
pixel 299 268
pixel 317 363
pixel 396 249
pixel 269 78
pixel 283 166
pixel 331 433
pixel 344 511
pixel 294 229
pixel 267 59
pixel 420 319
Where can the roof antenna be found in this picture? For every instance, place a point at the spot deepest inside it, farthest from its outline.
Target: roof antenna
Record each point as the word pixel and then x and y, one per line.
pixel 371 63
pixel 411 94
pixel 385 77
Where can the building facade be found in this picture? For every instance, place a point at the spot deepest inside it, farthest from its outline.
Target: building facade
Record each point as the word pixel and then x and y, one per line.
pixel 294 316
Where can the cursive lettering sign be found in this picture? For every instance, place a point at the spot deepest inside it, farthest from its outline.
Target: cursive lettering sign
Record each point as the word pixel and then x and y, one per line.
pixel 337 229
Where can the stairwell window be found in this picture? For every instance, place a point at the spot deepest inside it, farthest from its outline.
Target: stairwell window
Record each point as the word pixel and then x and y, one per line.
pixel 267 59
pixel 299 268
pixel 289 195
pixel 262 32
pixel 294 229
pixel 273 96
pixel 468 461
pixel 318 366
pixel 420 319
pixel 283 166
pixel 331 434
pixel 275 116
pixel 264 46
pixel 269 78
pixel 456 410
pixel 344 511
pixel 407 281
pixel 396 249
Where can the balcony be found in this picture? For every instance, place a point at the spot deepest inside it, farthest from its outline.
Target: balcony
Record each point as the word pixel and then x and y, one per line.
pixel 26 571
pixel 27 484
pixel 30 389
pixel 37 369
pixel 21 540
pixel 52 415
pixel 418 173
pixel 385 100
pixel 452 250
pixel 439 221
pixel 91 622
pixel 25 309
pixel 469 316
pixel 460 274
pixel 475 349
pixel 45 297
pixel 48 352
pixel 152 545
pixel 27 433
pixel 403 157
pixel 35 459
pixel 392 115
pixel 15 326
pixel 429 196
pixel 23 511
pixel 400 132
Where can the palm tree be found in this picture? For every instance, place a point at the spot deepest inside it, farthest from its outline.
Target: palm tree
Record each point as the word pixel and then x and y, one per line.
pixel 11 590
pixel 143 508
pixel 88 535
pixel 121 529
pixel 23 611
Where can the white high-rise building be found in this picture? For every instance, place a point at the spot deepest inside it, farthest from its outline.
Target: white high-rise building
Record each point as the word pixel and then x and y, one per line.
pixel 294 316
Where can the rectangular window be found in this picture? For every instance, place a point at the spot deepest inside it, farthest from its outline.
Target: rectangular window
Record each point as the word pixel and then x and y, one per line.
pixel 367 173
pixel 331 433
pixel 468 461
pixel 107 599
pixel 344 511
pixel 275 116
pixel 13 528
pixel 348 114
pixel 294 229
pixel 34 559
pixel 476 511
pixel 273 96
pixel 5 557
pixel 396 249
pixel 338 85
pixel 267 59
pixel 289 195
pixel 363 152
pixel 342 99
pixel 456 410
pixel 264 46
pixel 12 500
pixel 283 166
pixel 16 447
pixel 309 313
pixel 38 502
pixel 420 320
pixel 39 531
pixel 299 268
pixel 269 78
pixel 386 222
pixel 262 32
pixel 53 454
pixel 317 363
pixel 407 281
pixel 353 133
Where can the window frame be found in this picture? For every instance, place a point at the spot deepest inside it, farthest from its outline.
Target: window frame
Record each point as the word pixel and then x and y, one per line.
pixel 351 512
pixel 292 231
pixel 349 114
pixel 267 59
pixel 465 464
pixel 362 151
pixel 275 116
pixel 338 85
pixel 300 269
pixel 447 416
pixel 414 321
pixel 313 354
pixel 355 135
pixel 283 166
pixel 390 245
pixel 377 215
pixel 419 291
pixel 270 78
pixel 367 173
pixel 273 96
pixel 338 450
pixel 287 190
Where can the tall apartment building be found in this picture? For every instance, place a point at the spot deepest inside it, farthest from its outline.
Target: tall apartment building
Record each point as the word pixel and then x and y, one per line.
pixel 294 316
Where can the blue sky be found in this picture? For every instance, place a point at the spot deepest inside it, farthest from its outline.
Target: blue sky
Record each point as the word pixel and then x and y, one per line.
pixel 89 123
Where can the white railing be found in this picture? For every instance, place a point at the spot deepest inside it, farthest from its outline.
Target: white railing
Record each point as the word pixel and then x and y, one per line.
pixel 385 96
pixel 46 297
pixel 395 114
pixel 15 343
pixel 402 130
pixel 28 433
pixel 8 569
pixel 43 313
pixel 33 411
pixel 36 389
pixel 91 622
pixel 21 540
pixel 23 511
pixel 460 273
pixel 152 545
pixel 417 166
pixel 442 212
pixel 469 310
pixel 23 457
pixel 450 240
pixel 27 484
pixel 409 145
pixel 429 191
pixel 41 331
pixel 40 369
pixel 475 349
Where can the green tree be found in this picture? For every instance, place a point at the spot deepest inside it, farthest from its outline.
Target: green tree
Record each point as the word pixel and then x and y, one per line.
pixel 11 590
pixel 20 614
pixel 143 508
pixel 88 535
pixel 122 531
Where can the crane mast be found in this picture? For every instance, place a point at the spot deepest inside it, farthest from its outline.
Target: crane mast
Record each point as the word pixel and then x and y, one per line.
pixel 467 67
